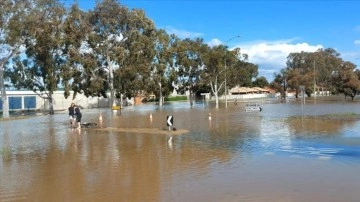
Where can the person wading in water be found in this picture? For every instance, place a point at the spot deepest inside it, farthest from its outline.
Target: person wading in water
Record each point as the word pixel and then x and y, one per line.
pixel 72 114
pixel 78 116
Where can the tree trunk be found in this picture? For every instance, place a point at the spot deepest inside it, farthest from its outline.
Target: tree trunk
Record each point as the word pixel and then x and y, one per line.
pixel 5 103
pixel 160 96
pixel 111 82
pixel 5 106
pixel 191 97
pixel 51 104
pixel 217 100
pixel 216 93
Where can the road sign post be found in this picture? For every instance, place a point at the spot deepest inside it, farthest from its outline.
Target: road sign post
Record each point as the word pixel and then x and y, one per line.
pixel 170 121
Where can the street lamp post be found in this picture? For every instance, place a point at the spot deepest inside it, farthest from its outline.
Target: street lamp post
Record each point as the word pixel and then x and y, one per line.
pixel 226 103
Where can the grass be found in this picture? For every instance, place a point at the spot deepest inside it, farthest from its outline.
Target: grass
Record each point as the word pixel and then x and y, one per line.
pixel 169 99
pixel 176 98
pixel 5 152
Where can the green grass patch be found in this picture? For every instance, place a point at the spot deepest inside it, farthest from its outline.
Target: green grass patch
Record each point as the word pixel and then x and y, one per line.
pixel 169 99
pixel 5 152
pixel 176 98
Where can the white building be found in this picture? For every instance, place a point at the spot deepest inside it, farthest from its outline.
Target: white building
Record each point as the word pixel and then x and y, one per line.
pixel 28 100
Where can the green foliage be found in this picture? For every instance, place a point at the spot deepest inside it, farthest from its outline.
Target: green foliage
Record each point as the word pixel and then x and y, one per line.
pixel 5 152
pixel 41 70
pixel 323 68
pixel 189 63
pixel 14 18
pixel 261 82
pixel 176 98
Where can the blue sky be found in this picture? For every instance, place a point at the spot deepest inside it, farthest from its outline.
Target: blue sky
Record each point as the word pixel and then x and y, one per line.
pixel 269 30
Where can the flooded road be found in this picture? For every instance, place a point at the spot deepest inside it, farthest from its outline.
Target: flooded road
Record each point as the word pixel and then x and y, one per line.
pixel 226 155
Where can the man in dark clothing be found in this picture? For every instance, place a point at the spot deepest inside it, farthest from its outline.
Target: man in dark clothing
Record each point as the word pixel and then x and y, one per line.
pixel 72 114
pixel 78 116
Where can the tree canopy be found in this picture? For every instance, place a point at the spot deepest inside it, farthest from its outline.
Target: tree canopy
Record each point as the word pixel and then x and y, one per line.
pixel 323 69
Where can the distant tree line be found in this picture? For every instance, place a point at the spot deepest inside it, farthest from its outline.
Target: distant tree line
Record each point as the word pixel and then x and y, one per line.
pixel 323 70
pixel 45 46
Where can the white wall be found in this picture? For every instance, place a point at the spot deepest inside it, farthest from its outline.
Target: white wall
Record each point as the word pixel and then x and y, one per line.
pixel 60 103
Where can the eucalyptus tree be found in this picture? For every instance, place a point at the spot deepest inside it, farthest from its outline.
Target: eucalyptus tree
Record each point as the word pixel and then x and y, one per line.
pixel 14 16
pixel 189 64
pixel 325 62
pixel 103 49
pixel 296 78
pixel 240 71
pixel 41 69
pixel 346 80
pixel 214 72
pixel 313 68
pixel 135 71
pixel 261 82
pixel 74 77
pixel 162 76
pixel 299 69
pixel 118 43
pixel 280 82
pixel 223 67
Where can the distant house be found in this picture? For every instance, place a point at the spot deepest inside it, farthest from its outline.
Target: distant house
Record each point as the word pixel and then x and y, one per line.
pixel 248 90
pixel 250 93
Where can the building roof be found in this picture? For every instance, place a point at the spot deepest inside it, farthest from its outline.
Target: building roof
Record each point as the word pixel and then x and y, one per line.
pixel 245 90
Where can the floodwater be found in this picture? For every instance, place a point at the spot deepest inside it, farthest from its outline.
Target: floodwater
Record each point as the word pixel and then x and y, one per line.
pixel 227 155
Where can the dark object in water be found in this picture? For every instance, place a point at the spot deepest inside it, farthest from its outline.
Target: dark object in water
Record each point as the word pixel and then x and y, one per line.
pixel 87 125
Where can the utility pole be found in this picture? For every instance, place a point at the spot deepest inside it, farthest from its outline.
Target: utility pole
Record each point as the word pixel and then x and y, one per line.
pixel 226 68
pixel 314 82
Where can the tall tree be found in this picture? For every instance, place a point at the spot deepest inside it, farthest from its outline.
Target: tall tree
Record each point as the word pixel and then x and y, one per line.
pixel 135 70
pixel 261 82
pixel 346 80
pixel 214 72
pixel 324 62
pixel 13 28
pixel 220 65
pixel 242 72
pixel 314 68
pixel 74 52
pixel 189 64
pixel 299 69
pixel 105 46
pixel 161 75
pixel 280 82
pixel 41 70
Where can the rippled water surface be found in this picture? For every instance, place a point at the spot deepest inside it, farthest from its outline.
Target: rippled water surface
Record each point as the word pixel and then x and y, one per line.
pixel 278 154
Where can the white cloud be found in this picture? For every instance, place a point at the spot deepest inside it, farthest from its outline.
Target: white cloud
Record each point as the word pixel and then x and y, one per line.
pixel 353 57
pixel 357 42
pixel 182 33
pixel 271 56
pixel 214 42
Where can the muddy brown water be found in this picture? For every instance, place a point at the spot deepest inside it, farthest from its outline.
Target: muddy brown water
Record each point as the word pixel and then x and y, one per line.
pixel 232 156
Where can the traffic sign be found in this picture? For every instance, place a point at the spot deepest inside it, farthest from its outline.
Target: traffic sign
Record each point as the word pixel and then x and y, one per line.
pixel 169 120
